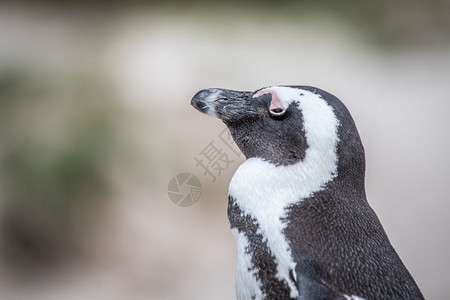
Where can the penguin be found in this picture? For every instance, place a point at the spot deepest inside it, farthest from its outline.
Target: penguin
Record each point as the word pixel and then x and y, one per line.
pixel 297 206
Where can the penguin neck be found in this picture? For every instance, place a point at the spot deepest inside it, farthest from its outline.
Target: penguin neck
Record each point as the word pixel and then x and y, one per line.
pixel 351 166
pixel 262 180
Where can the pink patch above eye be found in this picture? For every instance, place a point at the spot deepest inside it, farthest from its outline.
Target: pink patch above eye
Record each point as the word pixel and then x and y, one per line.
pixel 275 103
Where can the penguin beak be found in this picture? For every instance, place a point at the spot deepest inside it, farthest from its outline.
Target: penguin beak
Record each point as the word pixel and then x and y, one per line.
pixel 226 105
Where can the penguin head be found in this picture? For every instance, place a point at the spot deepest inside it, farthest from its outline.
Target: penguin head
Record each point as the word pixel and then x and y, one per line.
pixel 284 124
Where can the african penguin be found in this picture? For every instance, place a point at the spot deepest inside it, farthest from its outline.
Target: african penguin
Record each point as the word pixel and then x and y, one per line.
pixel 297 206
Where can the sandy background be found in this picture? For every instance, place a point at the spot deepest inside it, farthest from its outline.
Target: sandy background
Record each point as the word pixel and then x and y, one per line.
pixel 111 91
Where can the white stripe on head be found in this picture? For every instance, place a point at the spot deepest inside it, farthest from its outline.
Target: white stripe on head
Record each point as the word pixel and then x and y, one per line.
pixel 264 190
pixel 247 285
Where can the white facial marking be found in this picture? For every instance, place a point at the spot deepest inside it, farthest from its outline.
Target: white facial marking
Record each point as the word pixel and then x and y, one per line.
pixel 209 109
pixel 247 285
pixel 264 191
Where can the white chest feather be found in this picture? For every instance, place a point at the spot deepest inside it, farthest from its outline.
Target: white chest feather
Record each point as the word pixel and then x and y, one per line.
pixel 264 191
pixel 247 285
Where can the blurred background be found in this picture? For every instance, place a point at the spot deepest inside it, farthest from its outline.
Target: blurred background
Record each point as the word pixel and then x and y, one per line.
pixel 95 121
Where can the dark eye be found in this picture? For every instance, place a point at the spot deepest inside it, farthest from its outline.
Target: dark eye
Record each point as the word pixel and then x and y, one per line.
pixel 277 112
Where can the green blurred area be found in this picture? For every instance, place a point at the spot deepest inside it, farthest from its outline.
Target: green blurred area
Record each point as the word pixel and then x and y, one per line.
pixel 57 138
pixel 388 23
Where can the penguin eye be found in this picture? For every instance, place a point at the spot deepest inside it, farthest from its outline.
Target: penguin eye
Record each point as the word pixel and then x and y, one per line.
pixel 277 112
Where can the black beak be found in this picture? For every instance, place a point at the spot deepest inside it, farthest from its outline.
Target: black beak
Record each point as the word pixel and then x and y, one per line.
pixel 226 105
